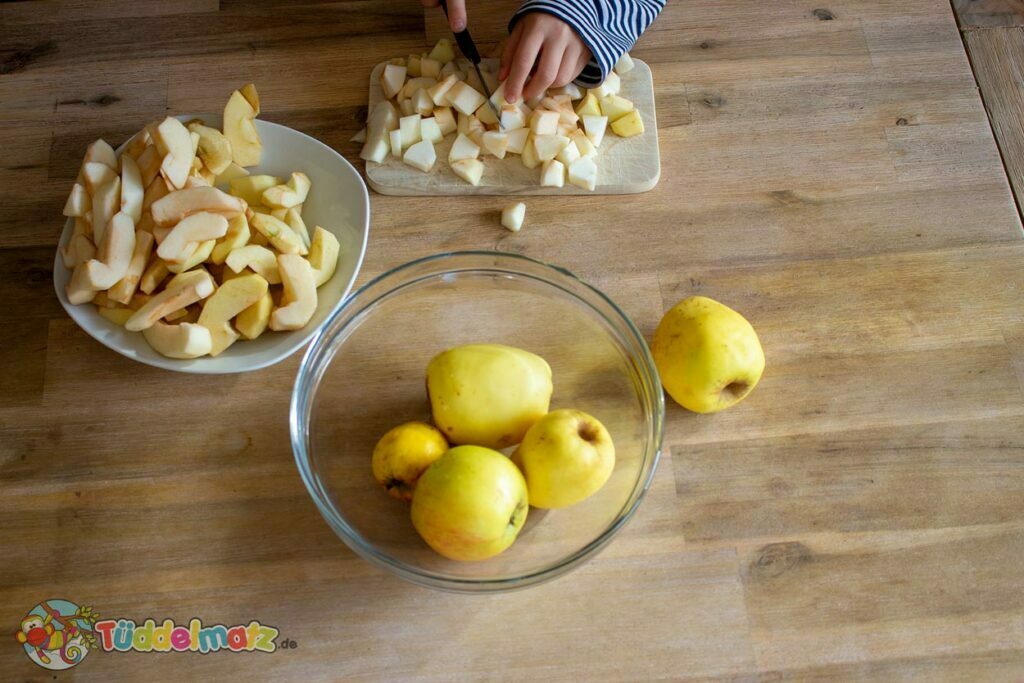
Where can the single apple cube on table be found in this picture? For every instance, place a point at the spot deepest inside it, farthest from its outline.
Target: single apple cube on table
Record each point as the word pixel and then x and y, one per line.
pixel 552 174
pixel 421 156
pixel 595 127
pixel 463 148
pixel 583 173
pixel 512 216
pixel 470 170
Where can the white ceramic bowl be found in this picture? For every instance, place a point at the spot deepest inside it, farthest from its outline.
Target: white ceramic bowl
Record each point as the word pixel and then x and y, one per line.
pixel 338 202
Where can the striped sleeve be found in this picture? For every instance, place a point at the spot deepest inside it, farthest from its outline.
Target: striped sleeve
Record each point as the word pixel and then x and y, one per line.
pixel 608 27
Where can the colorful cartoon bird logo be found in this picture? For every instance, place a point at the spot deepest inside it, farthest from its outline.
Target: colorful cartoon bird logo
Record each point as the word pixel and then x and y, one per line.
pixel 57 634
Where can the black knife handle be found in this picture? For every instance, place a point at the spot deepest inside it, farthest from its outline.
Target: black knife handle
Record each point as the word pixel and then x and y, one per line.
pixel 463 39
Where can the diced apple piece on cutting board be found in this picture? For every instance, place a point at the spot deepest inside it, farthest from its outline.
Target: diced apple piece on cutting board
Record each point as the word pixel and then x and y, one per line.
pixel 629 125
pixel 421 156
pixel 552 174
pixel 595 127
pixel 463 148
pixel 464 98
pixel 495 143
pixel 583 173
pixel 392 79
pixel 470 170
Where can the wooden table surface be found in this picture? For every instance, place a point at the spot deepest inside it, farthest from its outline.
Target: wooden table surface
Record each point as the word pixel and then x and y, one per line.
pixel 828 170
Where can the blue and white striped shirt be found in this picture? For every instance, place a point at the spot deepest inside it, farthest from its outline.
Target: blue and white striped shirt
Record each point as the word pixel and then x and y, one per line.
pixel 608 27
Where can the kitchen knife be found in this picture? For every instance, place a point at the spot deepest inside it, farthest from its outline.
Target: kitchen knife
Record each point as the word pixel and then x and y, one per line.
pixel 468 48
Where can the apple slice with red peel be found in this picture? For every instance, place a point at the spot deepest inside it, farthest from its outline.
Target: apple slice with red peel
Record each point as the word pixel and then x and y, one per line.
pixel 184 290
pixel 184 237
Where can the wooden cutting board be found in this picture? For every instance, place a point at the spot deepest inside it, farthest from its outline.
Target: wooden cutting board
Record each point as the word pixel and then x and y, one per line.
pixel 624 166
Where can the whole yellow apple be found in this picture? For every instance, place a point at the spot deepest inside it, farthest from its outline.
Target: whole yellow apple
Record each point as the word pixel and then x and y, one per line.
pixel 566 457
pixel 708 355
pixel 403 454
pixel 488 394
pixel 470 503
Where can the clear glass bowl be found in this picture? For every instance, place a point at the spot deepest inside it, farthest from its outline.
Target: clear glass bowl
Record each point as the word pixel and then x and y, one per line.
pixel 365 371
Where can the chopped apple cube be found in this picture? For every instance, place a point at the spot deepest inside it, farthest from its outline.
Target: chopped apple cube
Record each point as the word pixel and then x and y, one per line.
pixel 512 117
pixel 376 148
pixel 414 84
pixel 476 130
pixel 486 115
pixel 410 127
pixel 496 143
pixel 451 69
pixel 413 66
pixel 566 129
pixel 528 156
pixel 421 156
pixel 544 122
pixel 395 138
pixel 595 127
pixel 445 120
pixel 583 143
pixel 431 68
pixel 569 154
pixel 429 130
pixel 443 51
pixel 392 79
pixel 589 106
pixel 464 98
pixel 611 86
pixel 463 148
pixel 553 174
pixel 615 107
pixel 547 147
pixel 383 118
pixel 517 139
pixel 624 64
pixel 629 125
pixel 439 91
pixel 422 104
pixel 512 216
pixel 407 107
pixel 583 173
pixel 470 170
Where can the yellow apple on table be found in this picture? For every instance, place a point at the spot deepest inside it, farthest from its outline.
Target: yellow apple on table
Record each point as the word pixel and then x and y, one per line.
pixel 403 454
pixel 566 457
pixel 708 355
pixel 470 504
pixel 488 394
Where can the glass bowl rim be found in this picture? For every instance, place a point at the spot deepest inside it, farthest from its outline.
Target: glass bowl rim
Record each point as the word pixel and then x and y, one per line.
pixel 308 379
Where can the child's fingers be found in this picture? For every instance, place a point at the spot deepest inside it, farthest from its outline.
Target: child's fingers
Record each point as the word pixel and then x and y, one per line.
pixel 547 69
pixel 522 61
pixel 510 51
pixel 570 67
pixel 457 15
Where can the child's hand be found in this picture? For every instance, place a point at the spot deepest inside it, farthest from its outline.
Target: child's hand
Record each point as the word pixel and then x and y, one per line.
pixel 562 55
pixel 456 13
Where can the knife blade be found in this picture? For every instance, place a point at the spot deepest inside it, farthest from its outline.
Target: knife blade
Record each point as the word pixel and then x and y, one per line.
pixel 468 48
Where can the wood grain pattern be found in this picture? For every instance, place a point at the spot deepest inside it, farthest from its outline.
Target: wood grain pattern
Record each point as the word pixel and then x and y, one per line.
pixel 828 170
